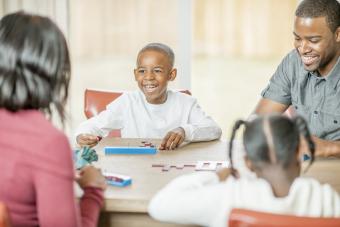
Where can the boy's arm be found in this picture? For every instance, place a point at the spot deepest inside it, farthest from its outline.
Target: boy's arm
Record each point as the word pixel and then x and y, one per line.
pixel 99 125
pixel 200 127
pixel 107 120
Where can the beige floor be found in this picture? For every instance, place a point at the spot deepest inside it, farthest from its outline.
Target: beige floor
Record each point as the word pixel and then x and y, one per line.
pixel 227 89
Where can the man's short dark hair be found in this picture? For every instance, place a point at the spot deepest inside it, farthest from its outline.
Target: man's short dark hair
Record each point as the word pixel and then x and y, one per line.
pixel 162 48
pixel 321 8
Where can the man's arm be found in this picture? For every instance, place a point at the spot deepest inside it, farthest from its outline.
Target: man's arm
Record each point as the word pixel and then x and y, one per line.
pixel 326 148
pixel 267 106
pixel 323 148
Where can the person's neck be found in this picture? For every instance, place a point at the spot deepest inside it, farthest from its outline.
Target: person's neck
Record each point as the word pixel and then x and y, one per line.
pixel 328 68
pixel 280 179
pixel 159 101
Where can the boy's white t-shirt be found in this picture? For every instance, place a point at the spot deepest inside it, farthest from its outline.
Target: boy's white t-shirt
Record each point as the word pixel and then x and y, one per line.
pixel 200 198
pixel 136 118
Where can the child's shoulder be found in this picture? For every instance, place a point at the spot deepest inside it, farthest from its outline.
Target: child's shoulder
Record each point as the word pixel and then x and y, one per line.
pixel 180 96
pixel 131 96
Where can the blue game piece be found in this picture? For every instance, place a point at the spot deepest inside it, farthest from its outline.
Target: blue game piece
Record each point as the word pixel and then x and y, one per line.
pixel 305 157
pixel 130 150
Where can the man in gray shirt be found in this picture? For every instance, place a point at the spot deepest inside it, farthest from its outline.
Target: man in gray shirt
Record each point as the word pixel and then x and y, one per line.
pixel 308 78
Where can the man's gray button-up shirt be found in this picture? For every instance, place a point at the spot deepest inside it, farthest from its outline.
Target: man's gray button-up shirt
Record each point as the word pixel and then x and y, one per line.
pixel 315 98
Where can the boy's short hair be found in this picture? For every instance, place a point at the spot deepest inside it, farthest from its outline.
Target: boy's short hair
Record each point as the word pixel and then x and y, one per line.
pixel 162 48
pixel 321 8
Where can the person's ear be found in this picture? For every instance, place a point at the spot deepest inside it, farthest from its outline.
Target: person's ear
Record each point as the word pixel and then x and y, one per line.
pixel 248 163
pixel 135 72
pixel 172 74
pixel 337 34
pixel 298 156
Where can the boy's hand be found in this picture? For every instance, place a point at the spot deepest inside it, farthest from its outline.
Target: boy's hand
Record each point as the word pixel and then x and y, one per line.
pixel 173 139
pixel 88 140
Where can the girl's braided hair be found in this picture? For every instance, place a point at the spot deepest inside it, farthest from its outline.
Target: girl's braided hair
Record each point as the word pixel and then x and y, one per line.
pixel 272 139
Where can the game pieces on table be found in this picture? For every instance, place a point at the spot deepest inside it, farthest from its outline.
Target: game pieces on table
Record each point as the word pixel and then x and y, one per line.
pixel 115 179
pixel 199 165
pixel 211 165
pixel 167 167
pixel 144 147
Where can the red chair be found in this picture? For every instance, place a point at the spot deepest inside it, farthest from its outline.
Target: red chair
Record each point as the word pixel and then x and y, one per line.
pixel 248 218
pixel 4 216
pixel 96 101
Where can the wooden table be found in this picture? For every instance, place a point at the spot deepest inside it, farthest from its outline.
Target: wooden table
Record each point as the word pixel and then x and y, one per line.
pixel 325 170
pixel 128 206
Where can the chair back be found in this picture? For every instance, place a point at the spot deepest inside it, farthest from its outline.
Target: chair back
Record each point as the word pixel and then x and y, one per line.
pixel 96 100
pixel 248 218
pixel 4 216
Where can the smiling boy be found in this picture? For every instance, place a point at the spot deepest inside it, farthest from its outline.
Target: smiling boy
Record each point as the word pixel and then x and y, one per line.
pixel 308 78
pixel 153 111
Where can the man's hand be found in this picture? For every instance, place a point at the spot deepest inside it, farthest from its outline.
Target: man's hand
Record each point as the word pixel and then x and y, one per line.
pixel 173 139
pixel 88 140
pixel 326 148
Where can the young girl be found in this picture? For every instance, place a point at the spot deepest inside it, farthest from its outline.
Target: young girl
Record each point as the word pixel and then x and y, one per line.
pixel 36 167
pixel 271 144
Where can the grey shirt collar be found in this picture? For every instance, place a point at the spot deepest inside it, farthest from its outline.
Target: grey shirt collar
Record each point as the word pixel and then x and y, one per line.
pixel 333 76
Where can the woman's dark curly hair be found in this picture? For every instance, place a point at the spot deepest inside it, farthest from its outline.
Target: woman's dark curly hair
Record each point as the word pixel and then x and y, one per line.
pixel 34 64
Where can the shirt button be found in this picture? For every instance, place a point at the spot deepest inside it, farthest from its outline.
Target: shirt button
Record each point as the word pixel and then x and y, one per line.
pixel 296 107
pixel 335 121
pixel 316 112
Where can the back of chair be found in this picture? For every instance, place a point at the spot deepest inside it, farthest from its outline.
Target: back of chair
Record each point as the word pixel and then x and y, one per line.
pixel 96 101
pixel 4 216
pixel 248 218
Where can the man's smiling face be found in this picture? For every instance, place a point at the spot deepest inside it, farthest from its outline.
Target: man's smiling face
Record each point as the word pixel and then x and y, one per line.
pixel 316 44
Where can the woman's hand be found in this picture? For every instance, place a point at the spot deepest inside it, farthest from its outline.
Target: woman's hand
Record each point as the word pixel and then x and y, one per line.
pixel 90 176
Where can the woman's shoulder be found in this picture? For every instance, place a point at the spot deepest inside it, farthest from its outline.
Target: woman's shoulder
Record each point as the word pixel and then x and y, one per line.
pixel 40 144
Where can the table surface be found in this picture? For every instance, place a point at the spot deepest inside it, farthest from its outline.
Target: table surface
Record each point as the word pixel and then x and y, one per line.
pixel 147 180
